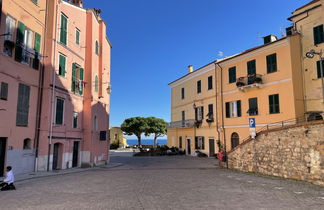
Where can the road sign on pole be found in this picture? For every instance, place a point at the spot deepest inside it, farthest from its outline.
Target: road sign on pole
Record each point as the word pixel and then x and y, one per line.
pixel 252 126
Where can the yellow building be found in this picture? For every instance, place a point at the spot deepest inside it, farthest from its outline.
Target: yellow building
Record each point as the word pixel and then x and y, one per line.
pixel 116 137
pixel 308 21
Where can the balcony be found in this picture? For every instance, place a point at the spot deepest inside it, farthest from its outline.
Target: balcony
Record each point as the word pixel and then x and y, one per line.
pixel 181 124
pixel 249 82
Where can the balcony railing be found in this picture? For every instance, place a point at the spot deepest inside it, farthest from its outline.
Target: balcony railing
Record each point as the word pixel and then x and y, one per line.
pixel 250 81
pixel 182 124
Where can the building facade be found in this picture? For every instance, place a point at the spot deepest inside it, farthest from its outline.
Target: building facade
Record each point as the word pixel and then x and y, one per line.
pixel 308 21
pixel 276 84
pixel 21 57
pixel 117 137
pixel 54 85
pixel 76 97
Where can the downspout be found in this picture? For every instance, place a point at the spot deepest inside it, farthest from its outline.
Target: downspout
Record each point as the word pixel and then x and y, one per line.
pixel 40 93
pixel 222 102
pixel 53 92
pixel 216 107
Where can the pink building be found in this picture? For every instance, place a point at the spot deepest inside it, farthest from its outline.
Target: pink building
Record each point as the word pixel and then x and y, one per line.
pixel 76 96
pixel 54 85
pixel 21 49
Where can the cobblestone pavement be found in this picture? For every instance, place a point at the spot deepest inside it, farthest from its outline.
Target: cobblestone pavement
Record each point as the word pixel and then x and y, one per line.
pixel 162 183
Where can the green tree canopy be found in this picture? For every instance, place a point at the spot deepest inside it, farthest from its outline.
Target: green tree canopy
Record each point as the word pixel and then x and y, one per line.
pixel 135 126
pixel 156 126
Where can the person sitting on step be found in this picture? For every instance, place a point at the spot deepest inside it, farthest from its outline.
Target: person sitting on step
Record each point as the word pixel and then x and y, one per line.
pixel 7 183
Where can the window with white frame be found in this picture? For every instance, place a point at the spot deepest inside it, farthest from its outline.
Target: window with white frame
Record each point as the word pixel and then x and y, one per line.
pixel 199 113
pixel 199 142
pixel 233 109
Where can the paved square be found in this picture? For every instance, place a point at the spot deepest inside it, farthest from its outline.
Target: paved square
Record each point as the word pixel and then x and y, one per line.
pixel 162 183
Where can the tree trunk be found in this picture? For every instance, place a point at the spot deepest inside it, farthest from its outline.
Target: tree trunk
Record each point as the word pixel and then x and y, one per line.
pixel 139 141
pixel 155 141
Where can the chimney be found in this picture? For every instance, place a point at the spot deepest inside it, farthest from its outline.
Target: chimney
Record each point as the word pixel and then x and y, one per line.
pixel 77 3
pixel 190 69
pixel 269 39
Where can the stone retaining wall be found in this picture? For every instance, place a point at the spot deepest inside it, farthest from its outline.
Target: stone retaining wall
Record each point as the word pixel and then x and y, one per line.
pixel 296 152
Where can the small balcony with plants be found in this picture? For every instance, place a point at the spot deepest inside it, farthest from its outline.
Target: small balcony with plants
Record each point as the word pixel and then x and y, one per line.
pixel 249 82
pixel 210 118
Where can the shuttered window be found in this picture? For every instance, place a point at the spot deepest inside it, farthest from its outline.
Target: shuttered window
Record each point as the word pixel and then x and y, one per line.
pixel 274 106
pixel 75 120
pixel 318 34
pixel 180 142
pixel 63 31
pixel 271 63
pixel 23 105
pixel 199 86
pixel 182 93
pixel 97 48
pixel 59 113
pixel 62 65
pixel 233 109
pixel 96 84
pixel 253 106
pixel 319 73
pixel 232 74
pixel 77 79
pixel 20 41
pixel 77 36
pixel 37 42
pixel 200 142
pixel 210 82
pixel 4 91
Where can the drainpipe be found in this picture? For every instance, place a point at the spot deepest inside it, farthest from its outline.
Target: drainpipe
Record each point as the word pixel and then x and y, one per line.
pixel 40 93
pixel 216 107
pixel 53 92
pixel 222 102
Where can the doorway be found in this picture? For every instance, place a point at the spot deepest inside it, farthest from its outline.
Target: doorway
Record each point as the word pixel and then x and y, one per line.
pixel 75 158
pixel 188 147
pixel 211 147
pixel 57 156
pixel 3 143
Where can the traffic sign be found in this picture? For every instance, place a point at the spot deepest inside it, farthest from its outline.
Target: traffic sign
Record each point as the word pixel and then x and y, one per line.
pixel 252 122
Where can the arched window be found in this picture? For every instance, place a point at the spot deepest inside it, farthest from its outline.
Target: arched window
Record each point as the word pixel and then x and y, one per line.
pixel 97 48
pixel 27 144
pixel 235 140
pixel 96 84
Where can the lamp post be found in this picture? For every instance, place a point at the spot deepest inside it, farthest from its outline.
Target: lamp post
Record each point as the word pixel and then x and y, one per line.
pixel 311 54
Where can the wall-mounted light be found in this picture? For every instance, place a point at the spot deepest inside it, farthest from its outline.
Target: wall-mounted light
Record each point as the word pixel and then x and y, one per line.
pixel 194 106
pixel 311 54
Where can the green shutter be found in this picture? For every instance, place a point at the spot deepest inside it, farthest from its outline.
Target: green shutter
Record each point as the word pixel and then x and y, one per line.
pixel 96 84
pixel 23 105
pixel 63 31
pixel 228 107
pixel 81 81
pixel 37 42
pixel 73 77
pixel 62 65
pixel 19 41
pixel 319 74
pixel 59 111
pixel 239 109
pixel 77 38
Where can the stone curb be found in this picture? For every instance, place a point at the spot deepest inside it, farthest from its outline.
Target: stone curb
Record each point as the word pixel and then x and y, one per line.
pixel 64 172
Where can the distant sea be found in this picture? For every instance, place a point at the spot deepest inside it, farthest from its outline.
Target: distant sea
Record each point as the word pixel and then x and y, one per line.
pixel 132 142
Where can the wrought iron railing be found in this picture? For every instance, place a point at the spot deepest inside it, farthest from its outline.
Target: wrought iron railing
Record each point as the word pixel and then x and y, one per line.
pixel 249 80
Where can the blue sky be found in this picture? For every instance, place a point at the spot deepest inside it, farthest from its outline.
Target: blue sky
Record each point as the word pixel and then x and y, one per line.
pixel 155 40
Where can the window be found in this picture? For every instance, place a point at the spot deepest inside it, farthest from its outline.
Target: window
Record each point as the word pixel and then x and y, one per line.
pixel 319 73
pixel 183 118
pixel 77 36
pixel 199 86
pixel 96 84
pixel 182 93
pixel 27 54
pixel 37 44
pixel 4 91
pixel 27 144
pixel 103 136
pixel 75 120
pixel 199 113
pixel 235 140
pixel 318 34
pixel 253 106
pixel 9 31
pixel 23 105
pixel 199 142
pixel 59 111
pixel 271 63
pixel 34 1
pixel 77 79
pixel 232 74
pixel 274 104
pixel 210 82
pixel 63 30
pixel 233 109
pixel 62 65
pixel 210 114
pixel 95 123
pixel 251 71
pixel 97 48
pixel 19 41
pixel 180 141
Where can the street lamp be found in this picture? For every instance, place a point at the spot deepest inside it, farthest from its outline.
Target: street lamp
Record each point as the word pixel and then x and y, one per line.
pixel 311 54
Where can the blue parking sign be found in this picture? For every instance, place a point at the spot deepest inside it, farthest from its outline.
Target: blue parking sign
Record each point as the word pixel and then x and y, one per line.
pixel 252 122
